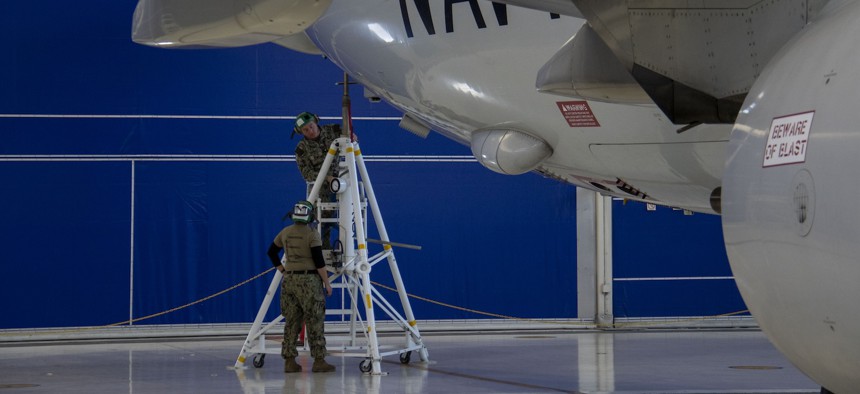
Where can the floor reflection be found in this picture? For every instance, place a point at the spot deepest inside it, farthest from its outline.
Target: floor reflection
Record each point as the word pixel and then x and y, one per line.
pixel 545 362
pixel 347 379
pixel 596 363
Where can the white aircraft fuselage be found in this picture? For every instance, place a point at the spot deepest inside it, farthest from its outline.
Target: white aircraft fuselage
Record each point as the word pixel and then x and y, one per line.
pixel 472 71
pixel 472 78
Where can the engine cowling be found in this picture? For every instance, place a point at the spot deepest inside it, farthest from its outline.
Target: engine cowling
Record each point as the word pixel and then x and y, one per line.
pixel 790 223
pixel 223 23
pixel 509 151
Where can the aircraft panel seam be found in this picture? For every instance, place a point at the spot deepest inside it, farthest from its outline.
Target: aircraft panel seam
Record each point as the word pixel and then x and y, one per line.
pixel 146 116
pixel 674 278
pixel 228 158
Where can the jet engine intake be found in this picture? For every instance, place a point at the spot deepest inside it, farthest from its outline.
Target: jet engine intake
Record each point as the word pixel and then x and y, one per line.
pixel 509 151
pixel 790 222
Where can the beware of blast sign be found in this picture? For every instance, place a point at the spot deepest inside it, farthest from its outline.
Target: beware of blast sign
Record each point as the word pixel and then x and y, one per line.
pixel 787 139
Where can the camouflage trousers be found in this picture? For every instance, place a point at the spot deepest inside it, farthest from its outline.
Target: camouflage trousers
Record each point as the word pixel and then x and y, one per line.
pixel 303 300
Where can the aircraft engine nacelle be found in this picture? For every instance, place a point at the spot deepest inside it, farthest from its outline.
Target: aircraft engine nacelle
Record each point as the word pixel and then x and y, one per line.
pixel 222 23
pixel 509 151
pixel 790 218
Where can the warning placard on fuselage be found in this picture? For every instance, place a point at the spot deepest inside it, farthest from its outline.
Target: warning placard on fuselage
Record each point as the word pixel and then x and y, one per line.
pixel 787 139
pixel 578 114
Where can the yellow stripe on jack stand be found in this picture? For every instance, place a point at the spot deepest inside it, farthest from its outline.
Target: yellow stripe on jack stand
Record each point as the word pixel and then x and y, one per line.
pixel 386 247
pixel 332 151
pixel 358 152
pixel 241 360
pixel 413 323
pixel 348 150
pixel 367 302
pixel 362 246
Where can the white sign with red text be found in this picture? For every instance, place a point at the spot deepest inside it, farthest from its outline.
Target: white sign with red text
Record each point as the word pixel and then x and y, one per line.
pixel 787 139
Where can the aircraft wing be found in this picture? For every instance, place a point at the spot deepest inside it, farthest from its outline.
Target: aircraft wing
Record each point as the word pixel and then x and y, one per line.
pixel 225 23
pixel 696 60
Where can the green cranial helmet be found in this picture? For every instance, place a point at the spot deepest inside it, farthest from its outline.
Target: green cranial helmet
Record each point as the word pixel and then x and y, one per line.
pixel 303 212
pixel 303 119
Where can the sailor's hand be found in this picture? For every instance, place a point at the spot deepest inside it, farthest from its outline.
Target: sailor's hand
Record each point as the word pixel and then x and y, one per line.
pixel 328 290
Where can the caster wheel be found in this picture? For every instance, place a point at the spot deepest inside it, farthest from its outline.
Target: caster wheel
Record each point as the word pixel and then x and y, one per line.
pixel 259 360
pixel 404 357
pixel 365 365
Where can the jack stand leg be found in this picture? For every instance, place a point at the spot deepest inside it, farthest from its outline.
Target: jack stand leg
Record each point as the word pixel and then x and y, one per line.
pixel 353 321
pixel 258 321
pixel 363 267
pixel 373 341
pixel 392 261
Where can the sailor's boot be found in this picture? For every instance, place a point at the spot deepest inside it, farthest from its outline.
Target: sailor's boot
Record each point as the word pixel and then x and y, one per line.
pixel 290 366
pixel 321 366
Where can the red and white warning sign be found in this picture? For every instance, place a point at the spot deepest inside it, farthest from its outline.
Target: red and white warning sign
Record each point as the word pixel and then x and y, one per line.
pixel 577 113
pixel 787 139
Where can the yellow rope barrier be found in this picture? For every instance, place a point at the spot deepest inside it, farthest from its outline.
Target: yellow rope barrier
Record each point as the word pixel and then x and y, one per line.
pixel 231 288
pixel 480 312
pixel 575 324
pixel 670 322
pixel 496 315
pixel 83 329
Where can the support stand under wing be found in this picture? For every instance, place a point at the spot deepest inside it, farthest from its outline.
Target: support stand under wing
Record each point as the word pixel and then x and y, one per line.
pixel 354 274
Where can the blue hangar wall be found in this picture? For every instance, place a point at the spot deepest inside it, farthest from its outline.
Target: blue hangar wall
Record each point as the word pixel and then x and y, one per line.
pixel 135 180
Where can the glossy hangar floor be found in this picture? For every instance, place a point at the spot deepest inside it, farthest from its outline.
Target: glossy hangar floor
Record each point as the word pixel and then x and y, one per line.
pixel 674 361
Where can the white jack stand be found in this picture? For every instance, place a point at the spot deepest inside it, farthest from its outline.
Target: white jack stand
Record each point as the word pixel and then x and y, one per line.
pixel 354 272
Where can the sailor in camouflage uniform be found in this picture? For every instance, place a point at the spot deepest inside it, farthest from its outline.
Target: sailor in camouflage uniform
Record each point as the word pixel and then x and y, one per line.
pixel 310 155
pixel 304 287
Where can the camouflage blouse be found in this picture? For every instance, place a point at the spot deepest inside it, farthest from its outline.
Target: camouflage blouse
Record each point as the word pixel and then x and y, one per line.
pixel 310 154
